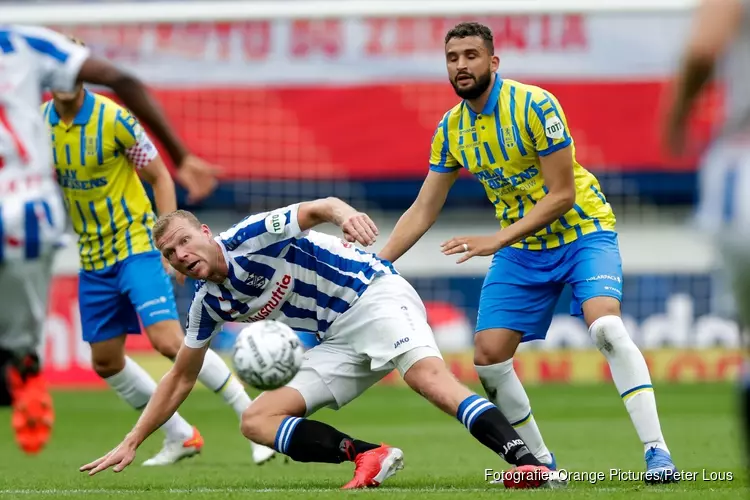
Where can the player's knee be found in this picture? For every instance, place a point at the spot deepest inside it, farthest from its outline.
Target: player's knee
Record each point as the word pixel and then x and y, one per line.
pixel 250 423
pixel 495 346
pixel 609 334
pixel 254 420
pixel 108 365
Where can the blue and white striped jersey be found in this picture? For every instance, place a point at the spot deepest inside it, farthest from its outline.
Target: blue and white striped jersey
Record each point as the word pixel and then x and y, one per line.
pixel 276 271
pixel 32 59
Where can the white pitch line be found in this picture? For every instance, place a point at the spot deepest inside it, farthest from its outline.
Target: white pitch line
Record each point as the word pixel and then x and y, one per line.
pixel 104 491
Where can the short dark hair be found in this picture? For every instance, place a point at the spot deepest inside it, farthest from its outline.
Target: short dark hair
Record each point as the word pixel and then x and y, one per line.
pixel 465 30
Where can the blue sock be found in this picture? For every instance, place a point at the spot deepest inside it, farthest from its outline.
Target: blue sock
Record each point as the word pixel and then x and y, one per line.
pixel 490 427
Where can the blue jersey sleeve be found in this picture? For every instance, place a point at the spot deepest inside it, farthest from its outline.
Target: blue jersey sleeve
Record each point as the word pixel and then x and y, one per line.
pixel 441 159
pixel 202 322
pixel 265 234
pixel 546 123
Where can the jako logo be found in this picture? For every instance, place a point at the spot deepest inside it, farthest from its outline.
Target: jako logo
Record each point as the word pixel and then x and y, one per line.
pixel 401 341
pixel 510 445
pixel 277 298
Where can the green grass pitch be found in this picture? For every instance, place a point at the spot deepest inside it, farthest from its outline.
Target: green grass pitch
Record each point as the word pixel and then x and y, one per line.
pixel 586 427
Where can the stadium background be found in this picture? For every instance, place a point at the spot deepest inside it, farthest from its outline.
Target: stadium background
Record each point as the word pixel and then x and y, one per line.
pixel 296 109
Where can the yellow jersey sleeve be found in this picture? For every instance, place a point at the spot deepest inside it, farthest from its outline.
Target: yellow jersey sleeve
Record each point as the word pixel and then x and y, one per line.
pixel 546 123
pixel 441 159
pixel 132 140
pixel 125 129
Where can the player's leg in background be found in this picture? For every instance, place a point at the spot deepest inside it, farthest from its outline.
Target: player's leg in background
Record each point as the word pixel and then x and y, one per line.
pixel 24 290
pixel 150 292
pixel 106 318
pixel 735 253
pixel 330 375
pixel 594 271
pixel 516 304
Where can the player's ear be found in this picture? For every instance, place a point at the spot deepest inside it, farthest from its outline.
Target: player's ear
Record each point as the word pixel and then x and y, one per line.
pixel 495 63
pixel 206 230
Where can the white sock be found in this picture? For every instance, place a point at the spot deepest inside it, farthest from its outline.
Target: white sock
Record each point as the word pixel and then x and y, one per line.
pixel 504 389
pixel 215 375
pixel 631 376
pixel 135 386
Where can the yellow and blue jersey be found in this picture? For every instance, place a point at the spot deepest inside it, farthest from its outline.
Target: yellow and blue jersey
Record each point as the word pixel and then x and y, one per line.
pixel 502 146
pixel 96 157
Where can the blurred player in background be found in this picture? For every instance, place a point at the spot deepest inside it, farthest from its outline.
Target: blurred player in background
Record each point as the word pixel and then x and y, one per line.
pixel 98 149
pixel 719 44
pixel 32 216
pixel 370 321
pixel 557 229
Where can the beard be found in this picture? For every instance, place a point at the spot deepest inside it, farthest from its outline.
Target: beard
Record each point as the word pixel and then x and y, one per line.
pixel 481 84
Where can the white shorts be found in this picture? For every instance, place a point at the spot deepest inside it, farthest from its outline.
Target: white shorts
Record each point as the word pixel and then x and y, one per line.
pixel 724 181
pixel 386 328
pixel 24 290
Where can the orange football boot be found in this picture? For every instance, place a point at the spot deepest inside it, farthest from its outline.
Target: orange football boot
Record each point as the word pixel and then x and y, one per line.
pixel 33 412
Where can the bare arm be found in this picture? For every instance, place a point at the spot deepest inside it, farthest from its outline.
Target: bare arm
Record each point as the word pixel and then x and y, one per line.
pixel 422 214
pixel 557 171
pixel 156 174
pixel 194 174
pixel 715 24
pixel 170 393
pixel 137 99
pixel 356 226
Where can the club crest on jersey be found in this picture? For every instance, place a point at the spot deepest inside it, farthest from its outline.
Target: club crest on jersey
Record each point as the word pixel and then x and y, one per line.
pixel 90 146
pixel 275 223
pixel 554 128
pixel 509 137
pixel 256 281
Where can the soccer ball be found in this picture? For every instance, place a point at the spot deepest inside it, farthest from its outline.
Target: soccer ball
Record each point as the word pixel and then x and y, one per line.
pixel 267 354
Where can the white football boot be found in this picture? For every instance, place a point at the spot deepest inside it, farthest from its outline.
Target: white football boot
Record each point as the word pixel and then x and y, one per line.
pixel 262 454
pixel 174 451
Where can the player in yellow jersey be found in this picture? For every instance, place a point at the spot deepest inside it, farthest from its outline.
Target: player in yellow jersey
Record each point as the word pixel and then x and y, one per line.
pixel 99 149
pixel 556 229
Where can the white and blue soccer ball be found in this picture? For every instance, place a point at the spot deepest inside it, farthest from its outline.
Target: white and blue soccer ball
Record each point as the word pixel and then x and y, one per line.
pixel 267 354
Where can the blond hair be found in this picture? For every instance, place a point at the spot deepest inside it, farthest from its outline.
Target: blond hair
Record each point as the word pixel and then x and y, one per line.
pixel 162 223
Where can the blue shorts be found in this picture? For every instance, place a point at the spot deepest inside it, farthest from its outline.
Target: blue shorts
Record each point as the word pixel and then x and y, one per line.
pixel 112 300
pixel 522 287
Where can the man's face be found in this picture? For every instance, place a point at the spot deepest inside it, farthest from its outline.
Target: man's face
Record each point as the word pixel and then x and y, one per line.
pixel 470 66
pixel 190 250
pixel 68 97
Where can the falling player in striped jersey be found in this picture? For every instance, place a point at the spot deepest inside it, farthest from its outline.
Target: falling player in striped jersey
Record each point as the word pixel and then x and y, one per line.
pixel 368 318
pixel 32 218
pixel 718 46
pixel 557 228
pixel 99 151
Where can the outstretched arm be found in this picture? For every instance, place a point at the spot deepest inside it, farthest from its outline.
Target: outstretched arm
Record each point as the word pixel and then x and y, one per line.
pixel 170 393
pixel 193 173
pixel 421 215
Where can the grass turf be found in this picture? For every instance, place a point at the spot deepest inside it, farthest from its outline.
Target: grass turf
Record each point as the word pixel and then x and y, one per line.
pixel 586 426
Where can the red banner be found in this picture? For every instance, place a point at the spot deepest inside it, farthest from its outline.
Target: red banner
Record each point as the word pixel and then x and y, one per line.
pixel 384 131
